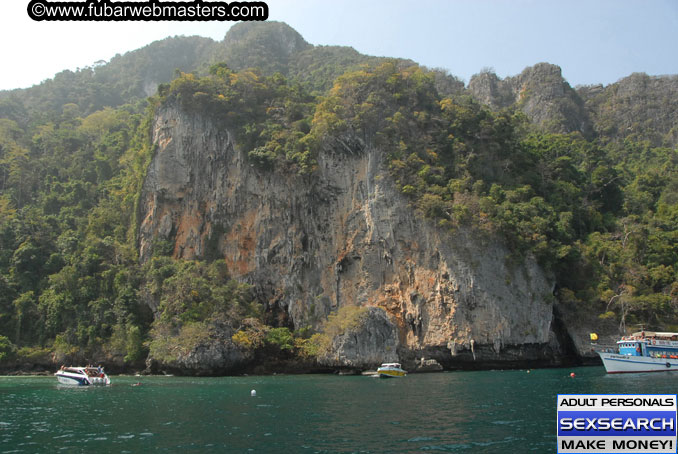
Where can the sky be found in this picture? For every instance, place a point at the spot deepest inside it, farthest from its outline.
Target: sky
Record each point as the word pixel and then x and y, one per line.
pixel 593 41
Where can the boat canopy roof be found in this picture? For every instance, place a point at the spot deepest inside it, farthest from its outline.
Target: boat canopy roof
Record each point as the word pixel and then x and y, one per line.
pixel 663 335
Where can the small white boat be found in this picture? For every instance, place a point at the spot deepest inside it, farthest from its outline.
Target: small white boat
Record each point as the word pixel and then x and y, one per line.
pixel 388 370
pixel 82 376
pixel 643 352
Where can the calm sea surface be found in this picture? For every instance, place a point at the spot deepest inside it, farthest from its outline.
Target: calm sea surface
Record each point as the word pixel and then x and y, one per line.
pixel 469 412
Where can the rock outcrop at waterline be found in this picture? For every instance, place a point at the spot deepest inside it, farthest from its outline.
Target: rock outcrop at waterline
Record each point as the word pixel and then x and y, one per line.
pixel 369 343
pixel 344 236
pixel 215 354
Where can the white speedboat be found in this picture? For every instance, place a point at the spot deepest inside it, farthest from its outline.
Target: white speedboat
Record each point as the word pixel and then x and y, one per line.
pixel 82 376
pixel 388 370
pixel 643 352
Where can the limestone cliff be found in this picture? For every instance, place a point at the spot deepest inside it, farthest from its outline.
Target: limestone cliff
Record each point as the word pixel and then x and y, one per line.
pixel 214 354
pixel 343 236
pixel 541 92
pixel 372 341
pixel 638 106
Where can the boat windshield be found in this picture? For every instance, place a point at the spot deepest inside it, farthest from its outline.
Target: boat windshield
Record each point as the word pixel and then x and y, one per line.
pixel 89 371
pixel 93 371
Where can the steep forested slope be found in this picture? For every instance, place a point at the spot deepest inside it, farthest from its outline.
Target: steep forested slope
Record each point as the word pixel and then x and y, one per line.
pixel 584 181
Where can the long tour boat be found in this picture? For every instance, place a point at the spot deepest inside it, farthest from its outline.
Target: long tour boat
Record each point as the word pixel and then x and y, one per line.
pixel 82 376
pixel 644 351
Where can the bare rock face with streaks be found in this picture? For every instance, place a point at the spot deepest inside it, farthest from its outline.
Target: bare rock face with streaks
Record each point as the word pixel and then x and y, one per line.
pixel 344 236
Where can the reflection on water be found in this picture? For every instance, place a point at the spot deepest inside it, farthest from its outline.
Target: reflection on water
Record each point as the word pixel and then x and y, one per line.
pixel 474 412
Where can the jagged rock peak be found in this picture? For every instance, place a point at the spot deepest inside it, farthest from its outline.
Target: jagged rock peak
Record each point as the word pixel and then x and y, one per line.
pixel 544 71
pixel 540 91
pixel 487 88
pixel 639 106
pixel 278 35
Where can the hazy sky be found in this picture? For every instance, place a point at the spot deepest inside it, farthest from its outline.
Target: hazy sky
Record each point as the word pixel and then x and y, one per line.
pixel 594 41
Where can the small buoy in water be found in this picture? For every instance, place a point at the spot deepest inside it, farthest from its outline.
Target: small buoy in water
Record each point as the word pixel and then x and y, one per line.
pixel 572 375
pixel 528 371
pixel 253 393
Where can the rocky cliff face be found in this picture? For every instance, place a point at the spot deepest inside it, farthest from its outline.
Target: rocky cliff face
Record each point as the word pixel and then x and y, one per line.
pixel 367 345
pixel 215 354
pixel 344 236
pixel 541 92
pixel 638 106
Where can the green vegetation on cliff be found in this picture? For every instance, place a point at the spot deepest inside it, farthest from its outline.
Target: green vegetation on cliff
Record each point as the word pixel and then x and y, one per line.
pixel 600 211
pixel 600 214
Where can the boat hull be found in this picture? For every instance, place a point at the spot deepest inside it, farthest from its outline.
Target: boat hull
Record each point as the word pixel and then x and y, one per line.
pixel 69 379
pixel 391 373
pixel 622 364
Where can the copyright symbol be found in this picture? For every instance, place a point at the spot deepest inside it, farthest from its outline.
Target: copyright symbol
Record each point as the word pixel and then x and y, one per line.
pixel 36 10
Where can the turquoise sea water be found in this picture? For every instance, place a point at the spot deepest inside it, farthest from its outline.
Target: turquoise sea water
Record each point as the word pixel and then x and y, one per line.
pixel 467 412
